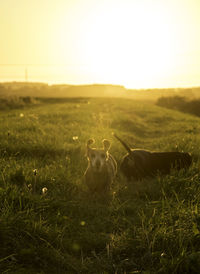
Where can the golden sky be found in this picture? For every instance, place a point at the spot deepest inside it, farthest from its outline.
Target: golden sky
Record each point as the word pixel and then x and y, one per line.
pixel 135 43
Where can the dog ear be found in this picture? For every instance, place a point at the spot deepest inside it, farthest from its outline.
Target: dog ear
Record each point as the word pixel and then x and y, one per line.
pixel 89 143
pixel 106 144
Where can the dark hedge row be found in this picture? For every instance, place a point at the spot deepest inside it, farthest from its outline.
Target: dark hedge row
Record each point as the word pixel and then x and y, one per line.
pixel 180 103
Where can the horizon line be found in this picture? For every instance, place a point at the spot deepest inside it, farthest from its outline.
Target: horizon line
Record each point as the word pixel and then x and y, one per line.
pixel 93 84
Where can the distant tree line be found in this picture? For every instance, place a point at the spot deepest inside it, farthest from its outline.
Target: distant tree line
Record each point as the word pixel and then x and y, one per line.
pixel 180 103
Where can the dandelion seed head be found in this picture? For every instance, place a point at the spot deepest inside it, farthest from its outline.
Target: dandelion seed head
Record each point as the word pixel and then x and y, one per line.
pixel 44 190
pixel 35 172
pixel 29 186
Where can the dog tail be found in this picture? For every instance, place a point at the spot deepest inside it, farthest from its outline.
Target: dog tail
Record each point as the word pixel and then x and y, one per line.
pixel 123 143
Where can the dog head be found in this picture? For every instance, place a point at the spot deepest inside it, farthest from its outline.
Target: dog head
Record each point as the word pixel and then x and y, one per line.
pixel 97 157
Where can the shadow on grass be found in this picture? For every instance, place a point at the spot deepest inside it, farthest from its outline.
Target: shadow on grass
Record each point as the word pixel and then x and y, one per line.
pixel 38 152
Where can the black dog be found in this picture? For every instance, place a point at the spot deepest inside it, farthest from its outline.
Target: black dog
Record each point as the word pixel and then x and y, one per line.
pixel 138 164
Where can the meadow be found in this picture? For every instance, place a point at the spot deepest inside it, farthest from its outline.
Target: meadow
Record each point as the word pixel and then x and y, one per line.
pixel 50 223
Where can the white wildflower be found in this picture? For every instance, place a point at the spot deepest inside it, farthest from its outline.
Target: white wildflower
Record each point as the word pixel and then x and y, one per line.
pixel 35 172
pixel 44 191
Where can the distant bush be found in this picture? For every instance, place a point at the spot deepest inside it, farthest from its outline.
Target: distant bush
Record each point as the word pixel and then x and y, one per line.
pixel 13 102
pixel 180 103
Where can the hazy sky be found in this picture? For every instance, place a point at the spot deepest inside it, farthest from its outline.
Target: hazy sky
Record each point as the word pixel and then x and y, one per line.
pixel 135 43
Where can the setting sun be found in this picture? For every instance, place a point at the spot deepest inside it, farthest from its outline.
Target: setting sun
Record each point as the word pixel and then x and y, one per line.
pixel 126 45
pixel 138 44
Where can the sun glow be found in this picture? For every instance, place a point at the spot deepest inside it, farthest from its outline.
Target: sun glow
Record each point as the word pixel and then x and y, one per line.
pixel 135 43
pixel 125 44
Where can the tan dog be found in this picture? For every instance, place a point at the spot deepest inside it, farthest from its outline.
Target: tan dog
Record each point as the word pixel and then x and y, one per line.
pixel 102 167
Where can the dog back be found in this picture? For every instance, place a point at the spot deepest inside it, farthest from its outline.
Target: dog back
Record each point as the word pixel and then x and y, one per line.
pixel 142 163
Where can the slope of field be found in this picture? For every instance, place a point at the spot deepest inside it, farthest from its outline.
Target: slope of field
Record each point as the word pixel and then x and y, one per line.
pixel 183 104
pixel 152 226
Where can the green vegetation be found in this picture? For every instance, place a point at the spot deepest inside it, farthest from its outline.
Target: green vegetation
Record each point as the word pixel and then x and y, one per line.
pixel 33 89
pixel 14 102
pixel 50 223
pixel 180 103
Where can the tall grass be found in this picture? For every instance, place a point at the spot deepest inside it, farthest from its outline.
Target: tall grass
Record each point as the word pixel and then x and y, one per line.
pixel 181 103
pixel 152 226
pixel 16 102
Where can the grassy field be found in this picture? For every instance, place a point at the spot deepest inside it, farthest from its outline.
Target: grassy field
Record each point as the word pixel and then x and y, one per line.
pixel 50 223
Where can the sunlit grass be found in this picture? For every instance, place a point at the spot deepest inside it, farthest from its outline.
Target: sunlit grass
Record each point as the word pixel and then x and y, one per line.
pixel 49 221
